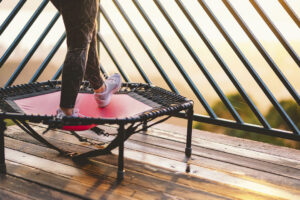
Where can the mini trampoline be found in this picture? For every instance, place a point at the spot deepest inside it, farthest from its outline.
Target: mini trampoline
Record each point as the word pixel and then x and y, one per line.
pixel 132 109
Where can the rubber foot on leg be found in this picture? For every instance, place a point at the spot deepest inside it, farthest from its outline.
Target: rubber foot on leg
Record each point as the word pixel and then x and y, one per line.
pixel 188 152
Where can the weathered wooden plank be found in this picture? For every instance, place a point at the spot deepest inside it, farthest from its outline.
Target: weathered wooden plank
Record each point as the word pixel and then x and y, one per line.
pixel 126 188
pixel 16 188
pixel 225 162
pixel 168 175
pixel 8 195
pixel 234 150
pixel 238 148
pixel 245 172
pixel 279 151
pixel 219 160
pixel 252 185
pixel 212 158
pixel 62 183
pixel 219 142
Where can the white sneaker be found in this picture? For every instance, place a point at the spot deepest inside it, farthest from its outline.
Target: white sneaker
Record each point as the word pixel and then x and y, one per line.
pixel 61 114
pixel 113 84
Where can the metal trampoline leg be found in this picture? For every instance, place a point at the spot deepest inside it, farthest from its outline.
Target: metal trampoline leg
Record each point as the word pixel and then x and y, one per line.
pixel 2 154
pixel 188 148
pixel 121 133
pixel 145 128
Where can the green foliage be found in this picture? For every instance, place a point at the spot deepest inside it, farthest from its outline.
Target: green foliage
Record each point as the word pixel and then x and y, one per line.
pixel 291 108
pixel 239 105
pixel 272 116
pixel 9 122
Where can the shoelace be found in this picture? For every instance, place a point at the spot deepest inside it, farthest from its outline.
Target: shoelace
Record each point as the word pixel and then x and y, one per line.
pixel 112 81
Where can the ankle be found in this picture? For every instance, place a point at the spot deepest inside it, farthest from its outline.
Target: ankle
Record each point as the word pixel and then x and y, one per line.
pixel 101 89
pixel 67 111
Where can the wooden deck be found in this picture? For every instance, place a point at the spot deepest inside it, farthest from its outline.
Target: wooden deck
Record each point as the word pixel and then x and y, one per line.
pixel 221 168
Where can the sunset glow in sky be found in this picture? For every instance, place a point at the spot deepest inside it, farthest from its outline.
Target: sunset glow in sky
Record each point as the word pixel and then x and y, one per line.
pixel 272 8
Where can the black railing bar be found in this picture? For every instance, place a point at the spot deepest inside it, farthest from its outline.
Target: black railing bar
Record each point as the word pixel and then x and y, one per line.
pixel 110 53
pixel 176 62
pixel 23 32
pixel 208 76
pixel 263 52
pixel 103 71
pixel 253 73
pixel 32 51
pixel 224 66
pixel 11 16
pixel 58 73
pixel 276 32
pixel 43 66
pixel 146 48
pixel 288 9
pixel 124 45
pixel 244 127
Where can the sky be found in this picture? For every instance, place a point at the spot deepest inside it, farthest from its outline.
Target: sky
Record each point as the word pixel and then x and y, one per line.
pixel 273 9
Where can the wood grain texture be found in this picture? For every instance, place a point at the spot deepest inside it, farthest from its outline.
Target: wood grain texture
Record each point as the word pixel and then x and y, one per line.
pixel 155 167
pixel 16 188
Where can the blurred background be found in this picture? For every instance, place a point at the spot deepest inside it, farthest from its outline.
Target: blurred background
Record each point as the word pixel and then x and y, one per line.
pixel 284 23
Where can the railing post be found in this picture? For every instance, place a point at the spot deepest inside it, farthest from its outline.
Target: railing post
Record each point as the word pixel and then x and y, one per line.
pixel 2 154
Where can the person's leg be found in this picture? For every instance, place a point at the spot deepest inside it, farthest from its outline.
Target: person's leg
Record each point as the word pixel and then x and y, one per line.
pixel 56 4
pixel 79 17
pixel 103 90
pixel 92 72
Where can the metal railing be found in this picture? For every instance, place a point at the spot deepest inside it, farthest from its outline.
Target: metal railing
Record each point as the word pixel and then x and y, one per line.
pixel 186 12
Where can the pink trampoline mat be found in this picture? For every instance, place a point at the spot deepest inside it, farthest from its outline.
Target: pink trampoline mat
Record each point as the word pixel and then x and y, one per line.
pixel 121 105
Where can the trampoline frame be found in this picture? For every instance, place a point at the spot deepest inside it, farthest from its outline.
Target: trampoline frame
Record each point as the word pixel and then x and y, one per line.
pixel 126 126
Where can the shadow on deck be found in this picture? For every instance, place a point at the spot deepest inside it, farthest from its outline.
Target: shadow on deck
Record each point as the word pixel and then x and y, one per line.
pixel 221 167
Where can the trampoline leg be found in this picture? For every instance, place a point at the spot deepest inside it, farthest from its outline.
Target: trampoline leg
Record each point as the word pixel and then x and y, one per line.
pixel 145 128
pixel 188 148
pixel 2 154
pixel 121 133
